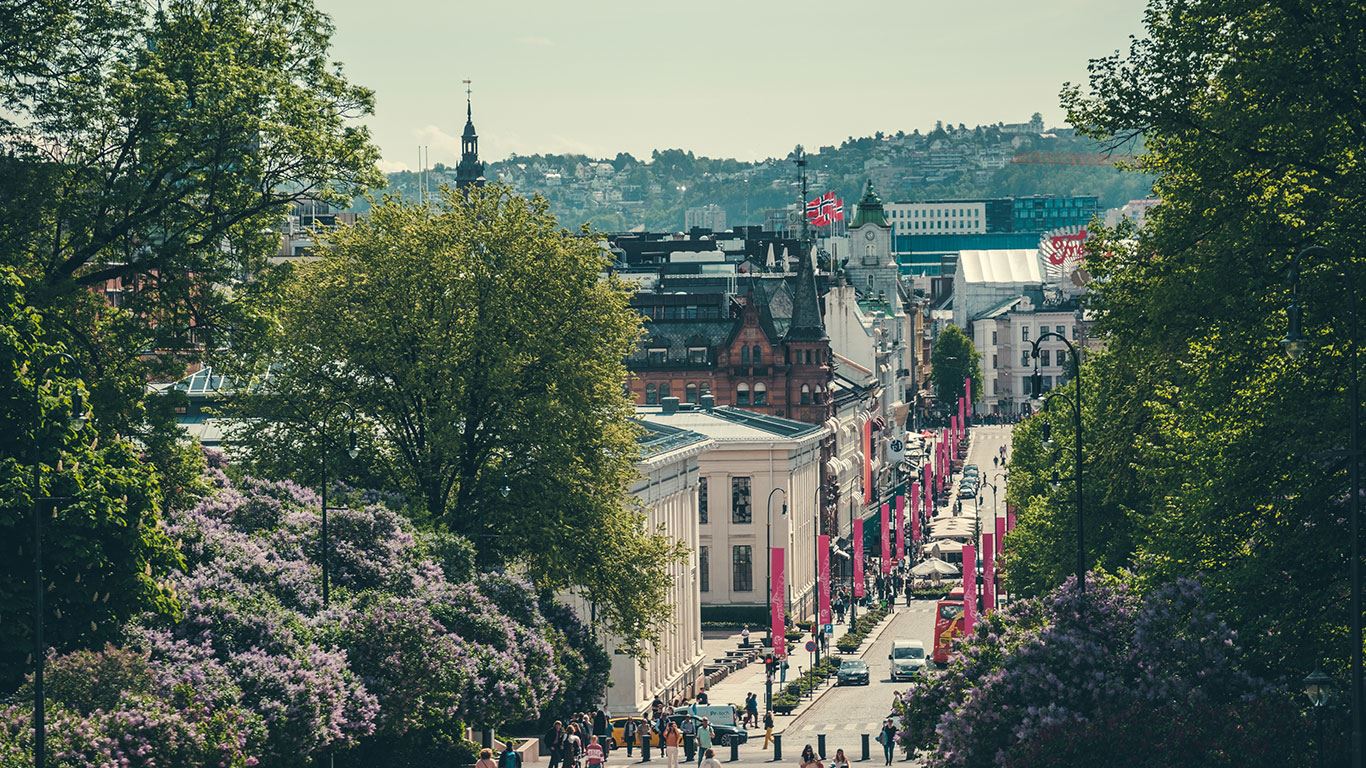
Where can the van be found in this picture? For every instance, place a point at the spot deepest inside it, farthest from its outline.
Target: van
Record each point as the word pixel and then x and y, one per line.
pixel 907 659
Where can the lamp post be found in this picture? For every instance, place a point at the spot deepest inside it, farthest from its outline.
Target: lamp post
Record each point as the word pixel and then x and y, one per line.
pixel 1295 344
pixel 325 545
pixel 1316 689
pixel 1037 381
pixel 75 419
pixel 768 559
pixel 853 602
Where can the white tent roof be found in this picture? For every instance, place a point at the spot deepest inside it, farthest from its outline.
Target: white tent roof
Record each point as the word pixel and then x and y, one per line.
pixel 935 567
pixel 942 547
pixel 1004 267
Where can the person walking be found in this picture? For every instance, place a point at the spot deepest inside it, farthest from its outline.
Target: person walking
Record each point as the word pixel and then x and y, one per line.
pixel 751 710
pixel 554 744
pixel 573 745
pixel 840 760
pixel 705 735
pixel 595 754
pixel 709 760
pixel 600 726
pixel 485 759
pixel 768 729
pixel 888 739
pixel 645 737
pixel 810 759
pixel 673 739
pixel 628 734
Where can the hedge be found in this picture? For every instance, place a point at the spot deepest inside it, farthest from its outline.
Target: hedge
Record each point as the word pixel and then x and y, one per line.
pixel 738 615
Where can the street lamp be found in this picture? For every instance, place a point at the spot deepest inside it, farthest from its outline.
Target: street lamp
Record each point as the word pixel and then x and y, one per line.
pixel 1075 402
pixel 1295 345
pixel 353 451
pixel 1316 689
pixel 75 419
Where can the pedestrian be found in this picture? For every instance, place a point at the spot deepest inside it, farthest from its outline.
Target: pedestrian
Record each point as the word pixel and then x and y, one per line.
pixel 705 735
pixel 768 729
pixel 702 698
pixel 485 759
pixel 573 745
pixel 810 759
pixel 628 734
pixel 600 725
pixel 744 636
pixel 751 710
pixel 888 739
pixel 509 758
pixel 690 736
pixel 554 744
pixel 782 671
pixel 673 739
pixel 840 760
pixel 645 738
pixel 594 755
pixel 709 760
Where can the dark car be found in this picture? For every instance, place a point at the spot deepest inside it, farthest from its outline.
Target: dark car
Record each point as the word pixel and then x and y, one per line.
pixel 720 718
pixel 853 672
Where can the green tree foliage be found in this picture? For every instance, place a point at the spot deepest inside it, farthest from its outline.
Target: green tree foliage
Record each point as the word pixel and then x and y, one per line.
pixel 104 550
pixel 1226 457
pixel 952 361
pixel 481 350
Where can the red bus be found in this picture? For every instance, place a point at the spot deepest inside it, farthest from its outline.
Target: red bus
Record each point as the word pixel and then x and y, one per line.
pixel 948 624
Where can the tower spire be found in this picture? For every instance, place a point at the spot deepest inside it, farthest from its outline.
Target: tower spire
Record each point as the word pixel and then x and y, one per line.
pixel 469 109
pixel 470 171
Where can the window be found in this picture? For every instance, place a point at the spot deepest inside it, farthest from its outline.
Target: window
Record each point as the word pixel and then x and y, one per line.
pixel 1024 333
pixel 1074 332
pixel 806 394
pixel 690 394
pixel 1024 358
pixel 704 568
pixel 740 510
pixel 697 355
pixel 1061 331
pixel 1043 358
pixel 993 360
pixel 742 568
pixel 744 355
pixel 658 355
pixel 760 394
pixel 758 355
pixel 1026 389
pixel 663 391
pixel 742 394
pixel 1062 357
pixel 702 502
pixel 651 394
pixel 993 338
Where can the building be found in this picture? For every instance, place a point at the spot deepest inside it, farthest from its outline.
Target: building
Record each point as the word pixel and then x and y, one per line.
pixel 667 488
pixel 470 172
pixel 941 217
pixel 1134 210
pixel 986 278
pixel 1042 213
pixel 1004 334
pixel 759 483
pixel 708 217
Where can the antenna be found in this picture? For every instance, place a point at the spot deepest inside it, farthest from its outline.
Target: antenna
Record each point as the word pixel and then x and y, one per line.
pixel 469 112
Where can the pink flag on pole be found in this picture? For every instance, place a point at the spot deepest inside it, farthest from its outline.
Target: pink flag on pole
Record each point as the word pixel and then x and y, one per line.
pixel 858 557
pixel 900 527
pixel 969 587
pixel 927 504
pixel 886 538
pixel 1000 534
pixel 776 603
pixel 915 513
pixel 1010 518
pixel 967 392
pixel 988 572
pixel 823 576
pixel 867 462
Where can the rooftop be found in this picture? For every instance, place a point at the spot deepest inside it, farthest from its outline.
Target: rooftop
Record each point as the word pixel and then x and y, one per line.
pixel 1003 267
pixel 727 424
pixel 657 439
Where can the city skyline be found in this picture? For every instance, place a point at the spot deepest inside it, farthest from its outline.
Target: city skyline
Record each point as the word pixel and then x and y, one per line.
pixel 556 82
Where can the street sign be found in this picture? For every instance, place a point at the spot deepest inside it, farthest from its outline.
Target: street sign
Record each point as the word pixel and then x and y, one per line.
pixel 896 449
pixel 829 629
pixel 810 646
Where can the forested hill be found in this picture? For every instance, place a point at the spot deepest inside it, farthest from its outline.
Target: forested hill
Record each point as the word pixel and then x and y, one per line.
pixel 950 162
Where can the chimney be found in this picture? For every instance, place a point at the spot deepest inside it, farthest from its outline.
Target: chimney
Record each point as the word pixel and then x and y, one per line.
pixel 708 402
pixel 668 405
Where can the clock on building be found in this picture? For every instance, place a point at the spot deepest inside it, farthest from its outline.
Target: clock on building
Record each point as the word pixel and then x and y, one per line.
pixel 870 235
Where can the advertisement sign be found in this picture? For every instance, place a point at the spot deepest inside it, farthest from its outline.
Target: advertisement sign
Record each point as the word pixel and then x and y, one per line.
pixel 858 557
pixel 915 513
pixel 900 527
pixel 896 449
pixel 886 538
pixel 823 578
pixel 776 602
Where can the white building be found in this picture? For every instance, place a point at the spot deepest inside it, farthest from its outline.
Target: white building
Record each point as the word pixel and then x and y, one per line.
pixel 1004 336
pixel 986 278
pixel 947 217
pixel 711 217
pixel 756 467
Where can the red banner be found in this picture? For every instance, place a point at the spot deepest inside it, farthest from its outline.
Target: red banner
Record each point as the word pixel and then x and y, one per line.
pixel 858 557
pixel 823 578
pixel 900 527
pixel 868 462
pixel 967 393
pixel 886 538
pixel 776 603
pixel 969 587
pixel 915 513
pixel 1000 534
pixel 1010 518
pixel 988 572
pixel 927 488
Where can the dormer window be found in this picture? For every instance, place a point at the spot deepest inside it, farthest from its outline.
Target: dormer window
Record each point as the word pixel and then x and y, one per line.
pixel 657 355
pixel 697 355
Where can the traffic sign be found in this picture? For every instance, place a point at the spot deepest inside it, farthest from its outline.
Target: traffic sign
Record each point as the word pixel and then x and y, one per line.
pixel 829 629
pixel 896 449
pixel 810 646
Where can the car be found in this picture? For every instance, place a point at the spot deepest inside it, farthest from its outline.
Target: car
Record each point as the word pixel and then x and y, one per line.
pixel 908 659
pixel 970 468
pixel 852 672
pixel 618 736
pixel 720 718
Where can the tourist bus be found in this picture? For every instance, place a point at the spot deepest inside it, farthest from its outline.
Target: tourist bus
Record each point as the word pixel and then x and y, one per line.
pixel 948 624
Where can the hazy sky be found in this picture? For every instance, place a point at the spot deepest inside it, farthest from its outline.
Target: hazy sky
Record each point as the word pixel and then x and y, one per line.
pixel 744 78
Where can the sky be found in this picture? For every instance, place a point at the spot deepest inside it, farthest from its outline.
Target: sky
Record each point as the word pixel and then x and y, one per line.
pixel 748 79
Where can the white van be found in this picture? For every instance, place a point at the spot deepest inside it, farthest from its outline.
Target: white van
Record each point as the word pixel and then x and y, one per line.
pixel 908 659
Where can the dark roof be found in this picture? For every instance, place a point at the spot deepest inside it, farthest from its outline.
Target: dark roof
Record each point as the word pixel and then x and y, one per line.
pixel 660 438
pixel 807 324
pixel 774 424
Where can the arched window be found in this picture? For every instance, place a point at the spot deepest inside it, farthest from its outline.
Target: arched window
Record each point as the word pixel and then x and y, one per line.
pixel 806 394
pixel 690 393
pixel 651 394
pixel 742 394
pixel 758 355
pixel 744 355
pixel 760 394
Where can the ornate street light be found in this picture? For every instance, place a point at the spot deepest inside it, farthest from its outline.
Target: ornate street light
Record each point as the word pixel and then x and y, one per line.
pixel 1316 687
pixel 1075 402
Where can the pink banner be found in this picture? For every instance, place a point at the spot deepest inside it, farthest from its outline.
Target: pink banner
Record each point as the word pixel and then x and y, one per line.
pixel 967 392
pixel 1010 518
pixel 886 538
pixel 858 557
pixel 969 587
pixel 867 462
pixel 823 577
pixel 776 602
pixel 988 572
pixel 915 514
pixel 900 527
pixel 927 487
pixel 1000 534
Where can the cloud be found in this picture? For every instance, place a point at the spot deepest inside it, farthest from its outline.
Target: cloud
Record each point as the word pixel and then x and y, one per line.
pixel 393 166
pixel 536 41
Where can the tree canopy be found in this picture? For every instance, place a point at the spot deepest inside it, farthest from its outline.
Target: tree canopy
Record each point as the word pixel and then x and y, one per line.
pixel 952 361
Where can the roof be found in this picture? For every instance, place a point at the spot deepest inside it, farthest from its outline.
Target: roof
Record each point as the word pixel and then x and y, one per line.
pixel 658 439
pixel 1002 267
pixel 806 324
pixel 727 424
pixel 998 309
pixel 869 209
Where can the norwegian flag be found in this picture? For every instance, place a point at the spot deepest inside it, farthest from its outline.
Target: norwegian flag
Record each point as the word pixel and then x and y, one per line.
pixel 824 210
pixel 814 212
pixel 833 207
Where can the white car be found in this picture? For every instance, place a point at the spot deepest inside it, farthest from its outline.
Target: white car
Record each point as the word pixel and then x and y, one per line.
pixel 908 659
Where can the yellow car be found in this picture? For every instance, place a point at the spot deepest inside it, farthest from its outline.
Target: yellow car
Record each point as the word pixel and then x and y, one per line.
pixel 618 737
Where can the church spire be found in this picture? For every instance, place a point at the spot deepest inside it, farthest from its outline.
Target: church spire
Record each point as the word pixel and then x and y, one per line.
pixel 470 172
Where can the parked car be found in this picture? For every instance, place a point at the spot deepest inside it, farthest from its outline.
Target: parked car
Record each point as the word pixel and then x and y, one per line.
pixel 618 737
pixel 852 672
pixel 721 718
pixel 908 659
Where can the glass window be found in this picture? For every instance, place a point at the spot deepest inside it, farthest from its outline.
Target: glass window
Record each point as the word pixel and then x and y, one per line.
pixel 1024 358
pixel 993 359
pixel 663 391
pixel 658 355
pixel 690 394
pixel 744 355
pixel 806 394
pixel 651 394
pixel 1061 331
pixel 742 394
pixel 760 394
pixel 1074 332
pixel 1024 333
pixel 702 499
pixel 740 510
pixel 697 355
pixel 1062 357
pixel 704 568
pixel 742 568
pixel 993 337
pixel 1043 358
pixel 758 355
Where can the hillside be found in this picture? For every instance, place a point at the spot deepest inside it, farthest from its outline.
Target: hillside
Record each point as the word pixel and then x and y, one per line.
pixel 950 162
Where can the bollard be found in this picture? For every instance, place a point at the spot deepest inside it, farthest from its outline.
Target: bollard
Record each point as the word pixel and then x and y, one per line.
pixel 645 750
pixel 820 745
pixel 734 749
pixel 777 747
pixel 865 747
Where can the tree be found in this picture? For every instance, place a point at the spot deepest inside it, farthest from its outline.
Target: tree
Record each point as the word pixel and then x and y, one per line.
pixel 952 361
pixel 481 349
